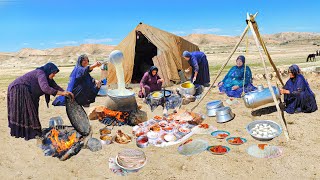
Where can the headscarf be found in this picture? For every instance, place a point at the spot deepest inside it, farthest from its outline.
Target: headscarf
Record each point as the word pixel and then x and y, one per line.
pixel 242 58
pixel 81 58
pixel 294 69
pixel 152 68
pixel 186 54
pixel 48 69
pixel 75 71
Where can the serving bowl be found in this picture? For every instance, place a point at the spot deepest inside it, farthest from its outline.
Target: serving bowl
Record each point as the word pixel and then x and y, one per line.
pixel 273 124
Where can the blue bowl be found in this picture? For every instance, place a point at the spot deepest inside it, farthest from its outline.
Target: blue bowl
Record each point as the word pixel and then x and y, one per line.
pixel 215 133
pixel 228 149
pixel 231 138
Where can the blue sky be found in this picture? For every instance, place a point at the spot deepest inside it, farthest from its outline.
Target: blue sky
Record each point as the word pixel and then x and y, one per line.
pixel 45 24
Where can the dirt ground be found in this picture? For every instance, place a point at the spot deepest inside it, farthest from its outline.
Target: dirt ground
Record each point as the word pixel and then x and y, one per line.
pixel 20 159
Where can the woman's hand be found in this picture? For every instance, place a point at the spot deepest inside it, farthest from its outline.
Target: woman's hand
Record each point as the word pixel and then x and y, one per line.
pixel 235 87
pixel 194 79
pixel 187 70
pixel 220 84
pixel 284 91
pixel 66 94
pixel 161 80
pixel 98 84
pixel 96 64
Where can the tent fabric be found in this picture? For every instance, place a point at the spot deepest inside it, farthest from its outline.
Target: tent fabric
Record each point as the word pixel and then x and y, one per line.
pixel 169 46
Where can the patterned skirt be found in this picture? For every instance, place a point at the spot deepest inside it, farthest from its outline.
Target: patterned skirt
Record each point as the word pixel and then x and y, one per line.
pixel 23 113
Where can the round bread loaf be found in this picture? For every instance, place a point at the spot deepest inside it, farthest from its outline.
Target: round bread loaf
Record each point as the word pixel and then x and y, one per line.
pixel 131 158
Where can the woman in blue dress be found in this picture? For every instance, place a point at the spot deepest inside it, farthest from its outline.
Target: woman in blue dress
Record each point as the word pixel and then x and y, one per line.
pixel 81 84
pixel 232 84
pixel 298 97
pixel 200 67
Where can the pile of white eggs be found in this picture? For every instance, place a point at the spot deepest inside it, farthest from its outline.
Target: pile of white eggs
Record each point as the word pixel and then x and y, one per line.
pixel 264 131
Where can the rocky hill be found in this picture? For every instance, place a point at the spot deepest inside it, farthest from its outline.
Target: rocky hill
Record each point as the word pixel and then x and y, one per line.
pixel 208 42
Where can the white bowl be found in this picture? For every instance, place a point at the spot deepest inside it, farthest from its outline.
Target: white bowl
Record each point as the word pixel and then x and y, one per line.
pixel 169 137
pixel 130 169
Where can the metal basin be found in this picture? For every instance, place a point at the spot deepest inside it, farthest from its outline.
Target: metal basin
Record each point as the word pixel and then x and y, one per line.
pixel 213 106
pixel 224 114
pixel 273 124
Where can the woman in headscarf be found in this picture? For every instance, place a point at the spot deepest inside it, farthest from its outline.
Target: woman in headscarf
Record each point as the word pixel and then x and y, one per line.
pixel 200 67
pixel 235 80
pixel 298 97
pixel 23 100
pixel 81 84
pixel 150 82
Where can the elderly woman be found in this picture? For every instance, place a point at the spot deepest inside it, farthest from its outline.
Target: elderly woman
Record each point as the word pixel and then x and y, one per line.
pixel 150 82
pixel 234 82
pixel 200 68
pixel 298 97
pixel 23 100
pixel 81 84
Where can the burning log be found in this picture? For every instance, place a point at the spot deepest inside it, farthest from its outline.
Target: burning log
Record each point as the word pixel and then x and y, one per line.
pixel 62 142
pixel 112 117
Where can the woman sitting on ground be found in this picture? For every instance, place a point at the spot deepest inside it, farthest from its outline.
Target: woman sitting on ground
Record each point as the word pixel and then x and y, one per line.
pixel 81 84
pixel 150 82
pixel 298 97
pixel 232 84
pixel 23 100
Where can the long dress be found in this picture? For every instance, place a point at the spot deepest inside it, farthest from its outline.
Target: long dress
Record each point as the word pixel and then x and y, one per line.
pixel 23 103
pixel 82 85
pixel 149 83
pixel 301 97
pixel 235 77
pixel 199 63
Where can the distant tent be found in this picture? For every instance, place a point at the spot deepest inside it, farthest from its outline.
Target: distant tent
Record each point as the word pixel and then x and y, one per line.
pixel 146 46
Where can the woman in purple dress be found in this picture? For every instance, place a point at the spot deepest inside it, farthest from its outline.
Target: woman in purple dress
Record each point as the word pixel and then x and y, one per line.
pixel 23 100
pixel 150 82
pixel 298 96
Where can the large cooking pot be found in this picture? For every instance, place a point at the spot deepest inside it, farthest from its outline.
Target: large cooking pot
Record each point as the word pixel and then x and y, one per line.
pixel 213 106
pixel 260 97
pixel 124 101
pixel 187 88
pixel 156 97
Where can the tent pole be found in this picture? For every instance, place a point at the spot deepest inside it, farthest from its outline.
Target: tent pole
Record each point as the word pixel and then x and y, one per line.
pixel 255 26
pixel 250 19
pixel 225 64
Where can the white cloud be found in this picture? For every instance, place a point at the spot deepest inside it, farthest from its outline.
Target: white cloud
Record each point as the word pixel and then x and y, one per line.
pixel 67 43
pixel 95 41
pixel 25 44
pixel 206 30
pixel 179 33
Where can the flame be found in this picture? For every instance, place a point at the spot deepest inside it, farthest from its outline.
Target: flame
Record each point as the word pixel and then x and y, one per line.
pixel 62 145
pixel 120 116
